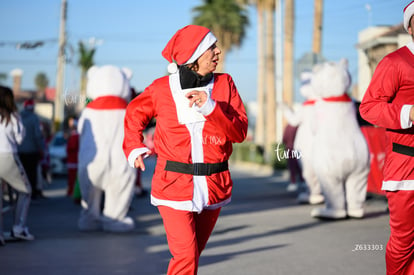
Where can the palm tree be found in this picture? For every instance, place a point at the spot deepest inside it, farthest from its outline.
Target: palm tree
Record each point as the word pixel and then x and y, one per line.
pixel 3 77
pixel 41 82
pixel 227 19
pixel 317 27
pixel 266 86
pixel 85 62
pixel 260 127
pixel 288 51
pixel 269 6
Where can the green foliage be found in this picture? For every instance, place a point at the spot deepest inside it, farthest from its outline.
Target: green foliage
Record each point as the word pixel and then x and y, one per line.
pixel 247 152
pixel 278 161
pixel 3 77
pixel 41 81
pixel 85 56
pixel 227 19
pixel 251 152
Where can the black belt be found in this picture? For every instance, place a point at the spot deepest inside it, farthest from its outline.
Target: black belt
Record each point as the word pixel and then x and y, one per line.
pixel 403 149
pixel 197 169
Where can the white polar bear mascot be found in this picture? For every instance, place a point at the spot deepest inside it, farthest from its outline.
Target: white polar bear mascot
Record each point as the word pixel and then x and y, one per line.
pixel 303 118
pixel 340 152
pixel 103 168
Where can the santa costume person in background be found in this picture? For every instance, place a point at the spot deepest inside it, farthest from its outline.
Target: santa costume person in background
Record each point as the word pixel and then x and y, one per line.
pixel 198 116
pixel 388 102
pixel 72 150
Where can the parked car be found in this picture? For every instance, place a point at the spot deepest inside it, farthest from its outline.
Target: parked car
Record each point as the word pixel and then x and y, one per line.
pixel 57 152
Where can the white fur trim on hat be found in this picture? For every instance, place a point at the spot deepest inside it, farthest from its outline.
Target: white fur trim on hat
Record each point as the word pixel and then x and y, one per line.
pixel 408 13
pixel 206 43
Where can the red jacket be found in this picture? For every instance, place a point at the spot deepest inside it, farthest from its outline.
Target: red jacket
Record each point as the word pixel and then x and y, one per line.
pixel 226 124
pixel 388 97
pixel 72 149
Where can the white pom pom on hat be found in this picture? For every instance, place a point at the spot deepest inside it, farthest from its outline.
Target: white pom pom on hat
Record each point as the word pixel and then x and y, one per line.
pixel 408 13
pixel 172 68
pixel 187 45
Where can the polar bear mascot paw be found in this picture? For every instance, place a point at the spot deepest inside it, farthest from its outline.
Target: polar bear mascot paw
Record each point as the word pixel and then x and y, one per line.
pixel 118 226
pixel 340 153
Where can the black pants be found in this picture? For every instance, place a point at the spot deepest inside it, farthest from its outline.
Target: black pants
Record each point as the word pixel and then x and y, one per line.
pixel 30 161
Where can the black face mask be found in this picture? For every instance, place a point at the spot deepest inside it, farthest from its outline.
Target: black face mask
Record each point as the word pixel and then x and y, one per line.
pixel 191 79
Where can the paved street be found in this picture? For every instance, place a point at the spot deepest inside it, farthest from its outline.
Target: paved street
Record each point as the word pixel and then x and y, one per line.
pixel 262 231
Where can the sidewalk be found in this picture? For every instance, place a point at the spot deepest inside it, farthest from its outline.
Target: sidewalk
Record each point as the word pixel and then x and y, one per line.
pixel 262 231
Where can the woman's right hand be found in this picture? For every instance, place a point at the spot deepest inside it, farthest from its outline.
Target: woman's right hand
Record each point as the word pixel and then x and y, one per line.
pixel 139 162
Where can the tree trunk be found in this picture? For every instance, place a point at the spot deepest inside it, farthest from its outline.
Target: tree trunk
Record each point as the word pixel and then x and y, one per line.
pixel 288 52
pixel 259 127
pixel 270 82
pixel 224 46
pixel 317 27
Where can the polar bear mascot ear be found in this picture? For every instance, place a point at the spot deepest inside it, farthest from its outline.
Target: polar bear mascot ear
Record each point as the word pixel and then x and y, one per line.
pixel 127 72
pixel 331 78
pixel 108 80
pixel 347 78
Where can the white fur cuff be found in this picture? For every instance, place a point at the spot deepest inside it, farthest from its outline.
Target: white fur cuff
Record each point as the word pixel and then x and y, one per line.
pixel 207 108
pixel 135 153
pixel 405 117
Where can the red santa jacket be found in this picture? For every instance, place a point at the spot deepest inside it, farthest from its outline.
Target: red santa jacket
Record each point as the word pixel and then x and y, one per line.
pixel 226 124
pixel 386 103
pixel 72 149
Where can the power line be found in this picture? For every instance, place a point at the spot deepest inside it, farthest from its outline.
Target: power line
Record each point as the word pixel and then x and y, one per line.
pixel 28 62
pixel 27 44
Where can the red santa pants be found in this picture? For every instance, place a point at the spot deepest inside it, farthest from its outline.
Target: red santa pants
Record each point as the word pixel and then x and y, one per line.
pixel 400 248
pixel 187 235
pixel 72 174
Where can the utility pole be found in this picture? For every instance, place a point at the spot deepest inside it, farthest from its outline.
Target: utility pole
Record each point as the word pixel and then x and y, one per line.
pixel 59 103
pixel 317 28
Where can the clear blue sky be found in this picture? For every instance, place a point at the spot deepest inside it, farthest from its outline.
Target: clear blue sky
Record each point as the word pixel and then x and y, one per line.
pixel 135 32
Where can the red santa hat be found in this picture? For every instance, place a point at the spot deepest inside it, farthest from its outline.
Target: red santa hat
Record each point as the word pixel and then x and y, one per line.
pixel 408 13
pixel 28 104
pixel 187 45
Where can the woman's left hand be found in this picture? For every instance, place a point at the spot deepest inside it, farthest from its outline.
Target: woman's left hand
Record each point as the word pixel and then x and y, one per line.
pixel 197 97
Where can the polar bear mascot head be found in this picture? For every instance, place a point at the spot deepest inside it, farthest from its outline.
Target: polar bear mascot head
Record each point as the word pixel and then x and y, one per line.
pixel 108 80
pixel 331 78
pixel 306 89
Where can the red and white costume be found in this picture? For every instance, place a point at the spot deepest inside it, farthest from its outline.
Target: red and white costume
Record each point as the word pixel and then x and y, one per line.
pixel 206 141
pixel 387 103
pixel 195 137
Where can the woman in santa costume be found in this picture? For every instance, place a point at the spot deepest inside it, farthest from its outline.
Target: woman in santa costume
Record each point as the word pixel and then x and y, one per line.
pixel 198 116
pixel 388 103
